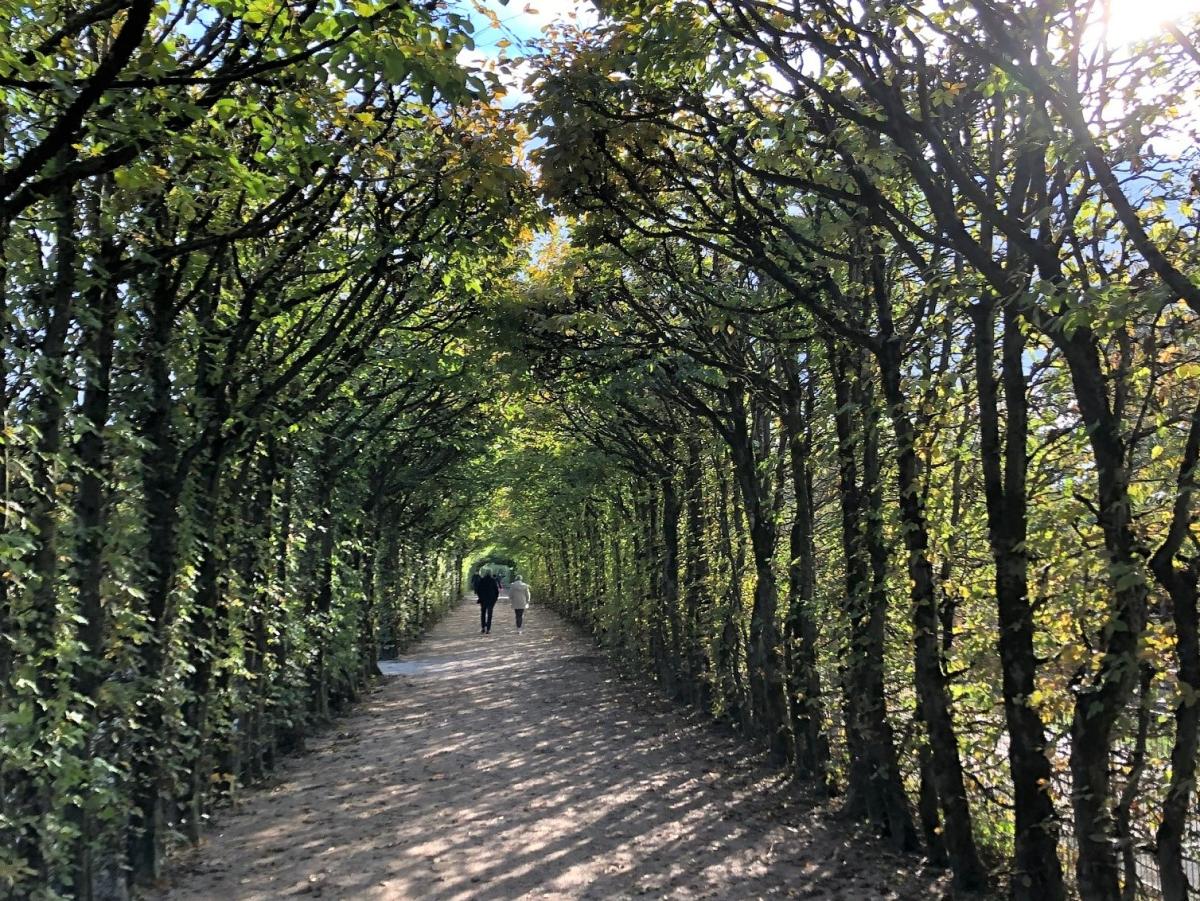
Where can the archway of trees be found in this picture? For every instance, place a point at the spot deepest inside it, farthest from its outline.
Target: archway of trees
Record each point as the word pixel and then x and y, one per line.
pixel 494 563
pixel 835 364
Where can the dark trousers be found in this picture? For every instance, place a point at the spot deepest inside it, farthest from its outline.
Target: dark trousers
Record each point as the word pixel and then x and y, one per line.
pixel 485 615
pixel 520 616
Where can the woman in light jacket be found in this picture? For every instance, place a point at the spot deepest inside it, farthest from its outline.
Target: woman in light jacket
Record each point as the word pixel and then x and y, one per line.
pixel 518 593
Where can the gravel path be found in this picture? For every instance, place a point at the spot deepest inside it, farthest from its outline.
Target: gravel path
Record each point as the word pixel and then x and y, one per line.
pixel 517 766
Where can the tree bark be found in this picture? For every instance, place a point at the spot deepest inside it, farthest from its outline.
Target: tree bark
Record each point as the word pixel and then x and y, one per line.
pixel 1100 701
pixel 322 591
pixel 48 414
pixel 1037 871
pixel 162 485
pixel 1180 581
pixel 91 517
pixel 876 789
pixel 696 573
pixel 931 681
pixel 765 659
pixel 728 665
pixel 804 678
pixel 669 584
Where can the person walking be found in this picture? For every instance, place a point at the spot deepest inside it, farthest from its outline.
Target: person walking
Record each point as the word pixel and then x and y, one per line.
pixel 518 595
pixel 488 590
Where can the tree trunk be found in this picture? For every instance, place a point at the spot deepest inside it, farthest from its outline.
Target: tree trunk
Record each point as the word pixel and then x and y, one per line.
pixel 765 660
pixel 256 584
pixel 287 727
pixel 695 568
pixel 1037 870
pixel 322 591
pixel 804 679
pixel 368 641
pixel 91 518
pixel 932 684
pixel 1181 584
pixel 669 585
pixel 162 485
pixel 875 786
pixel 208 626
pixel 1100 701
pixel 6 612
pixel 41 616
pixel 729 678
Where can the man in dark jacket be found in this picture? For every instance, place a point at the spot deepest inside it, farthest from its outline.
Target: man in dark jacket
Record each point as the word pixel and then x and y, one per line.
pixel 488 589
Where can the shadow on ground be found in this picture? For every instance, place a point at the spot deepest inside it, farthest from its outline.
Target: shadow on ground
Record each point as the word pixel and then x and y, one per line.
pixel 507 766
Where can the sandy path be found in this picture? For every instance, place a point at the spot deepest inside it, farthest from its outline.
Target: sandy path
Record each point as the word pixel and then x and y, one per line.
pixel 508 766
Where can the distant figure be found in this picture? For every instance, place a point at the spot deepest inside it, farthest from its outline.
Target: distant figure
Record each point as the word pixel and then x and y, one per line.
pixel 518 593
pixel 488 590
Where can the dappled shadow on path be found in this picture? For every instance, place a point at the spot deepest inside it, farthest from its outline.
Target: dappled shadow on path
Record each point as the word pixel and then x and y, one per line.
pixel 507 766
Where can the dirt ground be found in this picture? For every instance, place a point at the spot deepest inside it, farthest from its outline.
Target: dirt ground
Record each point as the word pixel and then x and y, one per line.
pixel 517 766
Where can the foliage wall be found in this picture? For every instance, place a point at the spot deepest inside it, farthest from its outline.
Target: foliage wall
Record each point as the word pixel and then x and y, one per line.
pixel 241 245
pixel 873 366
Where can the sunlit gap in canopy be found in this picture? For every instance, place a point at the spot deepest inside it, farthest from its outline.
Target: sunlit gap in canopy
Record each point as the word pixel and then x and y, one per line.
pixel 1119 29
pixel 1123 22
pixel 504 32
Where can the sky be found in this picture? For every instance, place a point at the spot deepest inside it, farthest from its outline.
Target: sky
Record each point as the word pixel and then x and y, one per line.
pixel 1136 20
pixel 521 21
